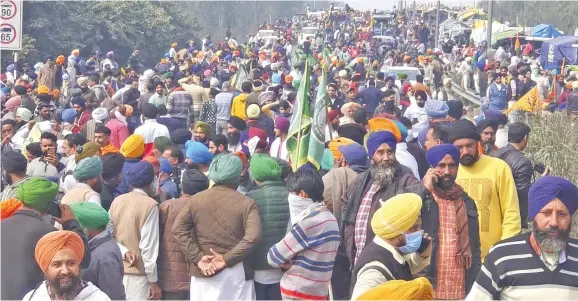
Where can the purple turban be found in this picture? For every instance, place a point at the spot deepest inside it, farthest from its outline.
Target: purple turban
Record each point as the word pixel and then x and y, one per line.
pixel 378 138
pixel 282 124
pixel 547 188
pixel 141 174
pixel 435 154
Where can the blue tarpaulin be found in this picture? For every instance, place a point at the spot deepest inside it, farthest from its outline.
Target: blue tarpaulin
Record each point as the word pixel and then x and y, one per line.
pixel 555 51
pixel 545 31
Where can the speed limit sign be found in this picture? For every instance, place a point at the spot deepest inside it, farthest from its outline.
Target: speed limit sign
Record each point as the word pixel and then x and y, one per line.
pixel 8 9
pixel 11 24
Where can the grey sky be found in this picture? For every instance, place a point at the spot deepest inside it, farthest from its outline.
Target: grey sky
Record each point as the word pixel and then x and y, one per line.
pixel 388 4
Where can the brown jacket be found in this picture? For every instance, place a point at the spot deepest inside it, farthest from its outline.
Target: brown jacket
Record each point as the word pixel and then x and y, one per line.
pixel 336 182
pixel 172 266
pixel 222 219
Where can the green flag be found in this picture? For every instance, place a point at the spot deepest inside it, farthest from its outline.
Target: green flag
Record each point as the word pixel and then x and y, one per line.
pixel 240 75
pixel 300 128
pixel 318 123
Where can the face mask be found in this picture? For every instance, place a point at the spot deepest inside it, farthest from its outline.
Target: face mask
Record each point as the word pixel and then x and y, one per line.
pixel 297 207
pixel 412 242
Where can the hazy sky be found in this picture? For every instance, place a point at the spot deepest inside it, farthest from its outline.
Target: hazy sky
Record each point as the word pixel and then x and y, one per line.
pixel 388 4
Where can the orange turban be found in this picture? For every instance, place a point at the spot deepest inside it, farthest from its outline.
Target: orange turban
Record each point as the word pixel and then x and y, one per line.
pixel 243 158
pixel 108 149
pixel 288 79
pixel 337 142
pixel 384 124
pixel 55 241
pixel 60 60
pixel 55 93
pixel 9 207
pixel 129 110
pixel 429 51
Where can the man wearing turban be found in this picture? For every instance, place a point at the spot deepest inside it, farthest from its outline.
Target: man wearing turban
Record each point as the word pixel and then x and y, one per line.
pixel 112 165
pixel 59 254
pixel 135 216
pixel 150 129
pixel 271 198
pixel 132 149
pixel 88 173
pixel 106 269
pixel 83 113
pixel 400 248
pixel 381 181
pixel 452 218
pixel 238 228
pixel 202 132
pixel 542 264
pixel 237 135
pixel 21 232
pixel 490 183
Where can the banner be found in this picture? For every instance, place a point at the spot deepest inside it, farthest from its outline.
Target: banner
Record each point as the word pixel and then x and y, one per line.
pixel 317 138
pixel 300 128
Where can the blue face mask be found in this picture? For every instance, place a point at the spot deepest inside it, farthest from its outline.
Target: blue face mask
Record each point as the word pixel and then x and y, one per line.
pixel 412 242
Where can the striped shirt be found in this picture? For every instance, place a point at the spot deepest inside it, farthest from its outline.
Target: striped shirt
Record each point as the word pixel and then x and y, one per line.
pixel 513 271
pixel 180 104
pixel 310 247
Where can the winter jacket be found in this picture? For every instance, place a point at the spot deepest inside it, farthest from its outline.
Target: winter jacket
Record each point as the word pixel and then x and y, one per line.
pixel 522 170
pixel 430 224
pixel 106 270
pixel 19 235
pixel 271 199
pixel 336 182
pixel 403 180
pixel 172 266
pixel 221 219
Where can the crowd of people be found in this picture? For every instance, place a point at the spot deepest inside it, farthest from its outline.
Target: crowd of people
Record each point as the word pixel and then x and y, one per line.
pixel 177 182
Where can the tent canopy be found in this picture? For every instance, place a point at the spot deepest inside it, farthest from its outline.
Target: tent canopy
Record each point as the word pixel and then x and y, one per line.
pixel 545 31
pixel 559 50
pixel 471 12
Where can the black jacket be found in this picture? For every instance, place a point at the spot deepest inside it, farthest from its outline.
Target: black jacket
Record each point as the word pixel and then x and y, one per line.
pixel 430 224
pixel 20 233
pixel 522 170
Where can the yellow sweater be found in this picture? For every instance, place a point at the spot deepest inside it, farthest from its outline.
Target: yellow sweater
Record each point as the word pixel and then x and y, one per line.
pixel 489 182
pixel 238 107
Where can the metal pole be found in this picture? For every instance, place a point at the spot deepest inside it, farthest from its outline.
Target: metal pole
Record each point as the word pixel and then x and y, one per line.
pixel 16 65
pixel 490 21
pixel 437 36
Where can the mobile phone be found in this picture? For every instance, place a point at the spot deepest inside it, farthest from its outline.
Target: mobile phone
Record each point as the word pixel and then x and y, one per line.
pixel 54 209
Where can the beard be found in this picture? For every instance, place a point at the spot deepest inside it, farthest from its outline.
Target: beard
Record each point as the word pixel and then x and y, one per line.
pixel 549 243
pixel 199 139
pixel 383 173
pixel 446 182
pixel 420 104
pixel 468 160
pixel 488 147
pixel 234 138
pixel 65 286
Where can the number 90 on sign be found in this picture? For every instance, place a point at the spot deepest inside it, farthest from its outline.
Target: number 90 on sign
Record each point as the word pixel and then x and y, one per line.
pixel 6 11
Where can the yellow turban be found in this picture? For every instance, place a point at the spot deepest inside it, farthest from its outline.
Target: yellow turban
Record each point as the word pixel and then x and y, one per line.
pixel 133 147
pixel 384 124
pixel 417 289
pixel 43 90
pixel 337 142
pixel 396 215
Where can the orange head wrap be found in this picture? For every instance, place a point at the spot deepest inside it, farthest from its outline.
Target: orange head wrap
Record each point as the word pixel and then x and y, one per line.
pixel 55 241
pixel 243 158
pixel 9 207
pixel 384 124
pixel 129 110
pixel 337 142
pixel 153 160
pixel 55 93
pixel 60 60
pixel 288 79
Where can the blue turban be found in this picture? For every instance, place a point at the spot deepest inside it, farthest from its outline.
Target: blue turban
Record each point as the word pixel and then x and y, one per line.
pixel 68 115
pixel 375 139
pixel 198 152
pixel 354 154
pixel 402 129
pixel 435 154
pixel 547 188
pixel 496 116
pixel 88 168
pixel 165 166
pixel 140 174
pixel 436 108
pixel 79 101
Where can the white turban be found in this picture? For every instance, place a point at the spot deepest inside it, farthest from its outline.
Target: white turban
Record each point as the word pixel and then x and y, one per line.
pixel 99 114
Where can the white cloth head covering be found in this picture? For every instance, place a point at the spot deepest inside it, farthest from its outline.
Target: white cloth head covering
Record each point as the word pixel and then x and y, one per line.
pixel 99 114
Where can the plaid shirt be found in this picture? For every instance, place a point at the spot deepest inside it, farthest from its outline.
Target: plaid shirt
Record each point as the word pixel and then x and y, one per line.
pixel 451 277
pixel 362 219
pixel 180 104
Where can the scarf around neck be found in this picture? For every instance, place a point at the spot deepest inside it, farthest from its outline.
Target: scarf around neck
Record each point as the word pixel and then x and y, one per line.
pixel 299 208
pixel 455 194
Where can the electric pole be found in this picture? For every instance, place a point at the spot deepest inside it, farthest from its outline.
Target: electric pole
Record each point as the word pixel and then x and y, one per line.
pixel 437 32
pixel 490 21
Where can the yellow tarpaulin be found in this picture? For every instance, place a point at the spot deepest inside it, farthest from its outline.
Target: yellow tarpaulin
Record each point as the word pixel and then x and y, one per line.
pixel 470 12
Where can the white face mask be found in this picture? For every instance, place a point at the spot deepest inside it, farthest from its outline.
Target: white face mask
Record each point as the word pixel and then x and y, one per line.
pixel 298 207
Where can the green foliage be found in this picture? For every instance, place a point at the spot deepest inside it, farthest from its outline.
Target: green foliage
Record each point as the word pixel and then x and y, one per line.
pixel 58 27
pixel 554 142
